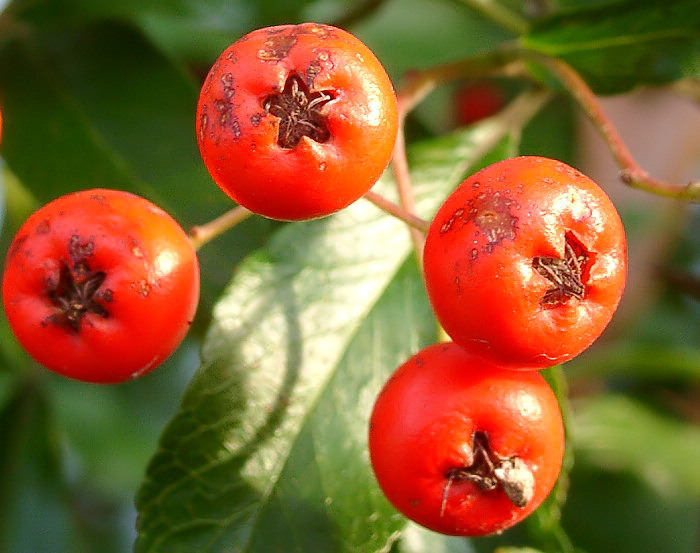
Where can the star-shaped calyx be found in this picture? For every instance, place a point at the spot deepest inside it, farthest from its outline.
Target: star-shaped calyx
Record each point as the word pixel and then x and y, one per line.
pixel 76 291
pixel 299 111
pixel 566 274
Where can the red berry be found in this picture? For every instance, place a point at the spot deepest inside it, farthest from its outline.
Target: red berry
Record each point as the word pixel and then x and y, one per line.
pixel 525 262
pixel 477 101
pixel 100 285
pixel 463 446
pixel 296 121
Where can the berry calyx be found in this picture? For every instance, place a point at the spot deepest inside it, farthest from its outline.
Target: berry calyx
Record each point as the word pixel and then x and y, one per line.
pixel 299 111
pixel 566 274
pixel 490 471
pixel 74 296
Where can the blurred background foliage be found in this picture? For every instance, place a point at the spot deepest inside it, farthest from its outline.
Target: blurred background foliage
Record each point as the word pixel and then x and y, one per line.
pixel 103 94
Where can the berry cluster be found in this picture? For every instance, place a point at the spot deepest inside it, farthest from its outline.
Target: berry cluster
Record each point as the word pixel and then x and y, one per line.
pixel 524 267
pixel 293 122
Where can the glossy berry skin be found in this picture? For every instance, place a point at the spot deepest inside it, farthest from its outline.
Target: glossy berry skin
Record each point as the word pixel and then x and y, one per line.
pixel 432 424
pixel 526 262
pixel 100 285
pixel 296 121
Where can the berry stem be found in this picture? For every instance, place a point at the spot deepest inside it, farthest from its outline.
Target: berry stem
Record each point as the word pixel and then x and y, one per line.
pixel 631 172
pixel 510 61
pixel 402 174
pixel 418 85
pixel 201 234
pixel 397 211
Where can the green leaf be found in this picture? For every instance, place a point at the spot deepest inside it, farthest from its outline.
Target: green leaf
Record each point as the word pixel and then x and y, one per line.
pixel 196 30
pixel 19 204
pixel 128 418
pixel 40 509
pixel 268 449
pixel 517 550
pixel 557 119
pixel 624 45
pixel 410 34
pixel 416 539
pixel 571 6
pixel 612 511
pixel 28 467
pixel 544 525
pixel 651 362
pixel 623 434
pixel 2 194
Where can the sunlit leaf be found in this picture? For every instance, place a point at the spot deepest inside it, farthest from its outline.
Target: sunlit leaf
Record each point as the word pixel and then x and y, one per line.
pixel 269 446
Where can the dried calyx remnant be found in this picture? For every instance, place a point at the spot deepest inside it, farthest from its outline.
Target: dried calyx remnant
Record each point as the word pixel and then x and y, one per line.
pixel 75 291
pixel 299 111
pixel 567 274
pixel 490 471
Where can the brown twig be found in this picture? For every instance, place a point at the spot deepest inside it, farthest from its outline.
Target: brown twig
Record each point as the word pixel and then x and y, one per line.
pixel 418 85
pixel 402 174
pixel 201 234
pixel 631 172
pixel 397 211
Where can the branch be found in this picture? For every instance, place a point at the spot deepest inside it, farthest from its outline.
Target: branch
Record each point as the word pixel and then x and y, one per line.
pixel 402 174
pixel 397 211
pixel 631 172
pixel 418 85
pixel 201 234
